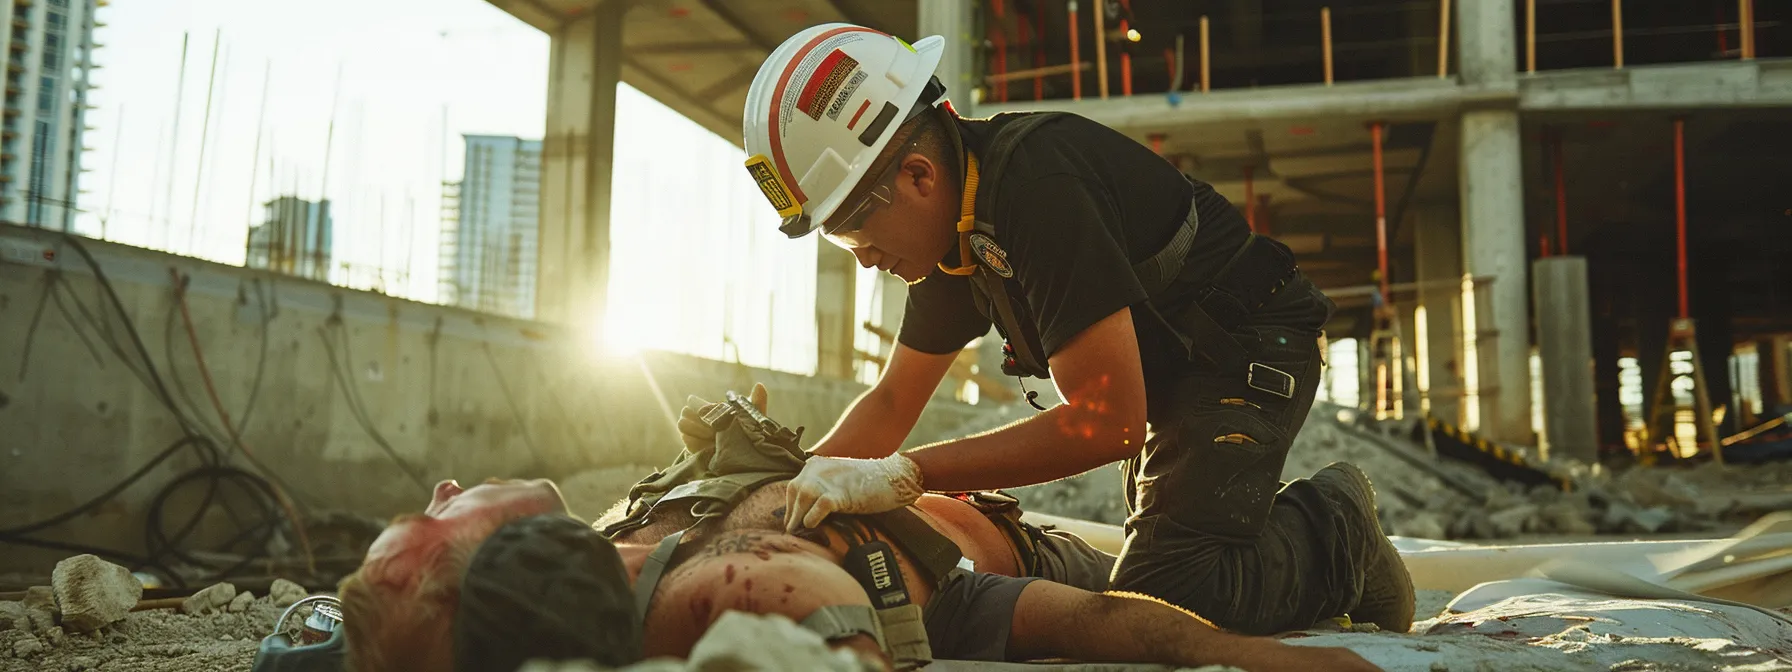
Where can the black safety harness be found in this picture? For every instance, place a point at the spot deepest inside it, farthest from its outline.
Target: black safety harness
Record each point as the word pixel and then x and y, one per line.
pixel 751 451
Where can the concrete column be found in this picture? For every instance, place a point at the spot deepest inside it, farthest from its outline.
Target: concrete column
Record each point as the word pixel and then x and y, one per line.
pixel 1486 50
pixel 1565 350
pixel 1439 264
pixel 953 20
pixel 1493 245
pixel 577 150
pixel 1492 199
pixel 1775 371
pixel 836 296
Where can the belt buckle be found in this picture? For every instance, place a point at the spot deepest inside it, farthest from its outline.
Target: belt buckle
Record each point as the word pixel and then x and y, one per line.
pixel 1270 379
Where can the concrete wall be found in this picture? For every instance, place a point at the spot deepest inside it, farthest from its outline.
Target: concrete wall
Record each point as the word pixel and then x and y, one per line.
pixel 74 419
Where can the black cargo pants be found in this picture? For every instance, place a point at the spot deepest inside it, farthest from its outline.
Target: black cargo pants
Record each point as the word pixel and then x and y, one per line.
pixel 1210 527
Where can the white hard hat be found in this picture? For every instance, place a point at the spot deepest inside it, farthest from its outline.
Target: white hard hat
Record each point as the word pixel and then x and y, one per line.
pixel 822 107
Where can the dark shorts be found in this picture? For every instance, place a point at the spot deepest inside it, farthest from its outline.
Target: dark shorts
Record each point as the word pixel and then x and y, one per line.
pixel 1062 557
pixel 1045 552
pixel 970 615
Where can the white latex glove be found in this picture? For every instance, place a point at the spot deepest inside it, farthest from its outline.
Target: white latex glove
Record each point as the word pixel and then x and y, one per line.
pixel 849 485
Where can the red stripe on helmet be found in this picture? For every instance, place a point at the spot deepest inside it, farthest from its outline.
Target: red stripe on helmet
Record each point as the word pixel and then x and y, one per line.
pixel 777 143
pixel 819 79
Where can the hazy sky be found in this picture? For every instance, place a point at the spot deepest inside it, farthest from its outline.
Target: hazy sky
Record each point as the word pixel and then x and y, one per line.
pixel 686 217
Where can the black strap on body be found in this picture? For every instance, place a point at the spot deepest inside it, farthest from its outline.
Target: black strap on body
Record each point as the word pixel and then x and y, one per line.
pixel 653 571
pixel 933 552
pixel 1023 353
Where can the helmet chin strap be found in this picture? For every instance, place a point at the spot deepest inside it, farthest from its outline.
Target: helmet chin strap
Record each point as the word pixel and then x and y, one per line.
pixel 967 215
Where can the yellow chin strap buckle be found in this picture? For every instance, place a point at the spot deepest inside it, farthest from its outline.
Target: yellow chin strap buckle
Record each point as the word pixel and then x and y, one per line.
pixel 967 220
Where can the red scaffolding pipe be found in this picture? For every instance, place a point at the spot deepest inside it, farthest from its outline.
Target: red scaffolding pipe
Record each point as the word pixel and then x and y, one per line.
pixel 1125 63
pixel 998 64
pixel 1263 215
pixel 1076 76
pixel 1381 215
pixel 1250 201
pixel 1039 53
pixel 1680 210
pixel 1126 51
pixel 1555 152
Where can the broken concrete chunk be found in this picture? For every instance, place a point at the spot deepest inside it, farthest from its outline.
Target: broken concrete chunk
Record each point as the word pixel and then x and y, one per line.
pixel 210 599
pixel 285 593
pixel 1511 522
pixel 1652 519
pixel 28 647
pixel 12 617
pixel 92 592
pixel 40 607
pixel 241 603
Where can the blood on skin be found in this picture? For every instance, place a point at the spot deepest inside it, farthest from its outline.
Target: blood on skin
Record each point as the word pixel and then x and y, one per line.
pixel 730 577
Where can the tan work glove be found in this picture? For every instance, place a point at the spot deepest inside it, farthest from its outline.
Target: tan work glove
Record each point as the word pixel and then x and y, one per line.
pixel 849 485
pixel 698 436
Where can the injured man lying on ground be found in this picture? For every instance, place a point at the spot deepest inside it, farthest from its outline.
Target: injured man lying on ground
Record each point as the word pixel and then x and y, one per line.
pixel 495 575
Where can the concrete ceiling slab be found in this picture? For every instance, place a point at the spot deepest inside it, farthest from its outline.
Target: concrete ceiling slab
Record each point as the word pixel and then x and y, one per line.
pixel 698 56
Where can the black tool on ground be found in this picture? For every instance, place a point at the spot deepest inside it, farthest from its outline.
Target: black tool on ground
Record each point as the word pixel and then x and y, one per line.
pixel 873 564
pixel 320 645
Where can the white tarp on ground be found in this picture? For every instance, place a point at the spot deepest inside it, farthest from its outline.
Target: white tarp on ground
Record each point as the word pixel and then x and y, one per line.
pixel 1548 626
pixel 1553 626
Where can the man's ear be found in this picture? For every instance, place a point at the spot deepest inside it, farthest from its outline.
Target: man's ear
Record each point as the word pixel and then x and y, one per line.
pixel 921 172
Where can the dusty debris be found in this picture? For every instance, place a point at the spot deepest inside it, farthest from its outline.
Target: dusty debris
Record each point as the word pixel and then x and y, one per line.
pixel 240 603
pixel 145 641
pixel 211 599
pixel 12 617
pixel 92 592
pixel 40 608
pixel 285 593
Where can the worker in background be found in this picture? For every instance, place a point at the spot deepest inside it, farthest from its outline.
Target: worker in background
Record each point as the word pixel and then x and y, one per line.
pixel 1184 347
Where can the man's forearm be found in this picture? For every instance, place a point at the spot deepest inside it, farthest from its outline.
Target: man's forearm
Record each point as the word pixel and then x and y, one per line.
pixel 1064 441
pixel 1119 627
pixel 869 428
pixel 1115 628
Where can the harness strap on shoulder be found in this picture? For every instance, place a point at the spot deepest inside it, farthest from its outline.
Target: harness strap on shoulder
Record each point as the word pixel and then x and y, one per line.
pixel 967 219
pixel 652 571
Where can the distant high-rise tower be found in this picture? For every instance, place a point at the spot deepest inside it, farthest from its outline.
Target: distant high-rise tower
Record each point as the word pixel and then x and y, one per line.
pixel 49 51
pixel 499 205
pixel 294 238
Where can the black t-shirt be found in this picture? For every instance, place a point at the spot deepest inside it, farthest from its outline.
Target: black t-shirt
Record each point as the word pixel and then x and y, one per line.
pixel 1079 204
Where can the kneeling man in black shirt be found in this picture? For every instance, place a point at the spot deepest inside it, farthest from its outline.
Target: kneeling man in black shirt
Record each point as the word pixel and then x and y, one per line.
pixel 1185 347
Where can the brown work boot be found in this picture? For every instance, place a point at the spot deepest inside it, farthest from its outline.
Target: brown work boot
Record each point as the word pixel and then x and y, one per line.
pixel 1387 599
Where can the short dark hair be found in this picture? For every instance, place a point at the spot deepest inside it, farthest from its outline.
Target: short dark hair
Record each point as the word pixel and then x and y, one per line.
pixel 545 587
pixel 928 133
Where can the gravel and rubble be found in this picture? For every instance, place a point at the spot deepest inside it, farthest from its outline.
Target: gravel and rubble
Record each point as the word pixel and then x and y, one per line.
pixel 85 623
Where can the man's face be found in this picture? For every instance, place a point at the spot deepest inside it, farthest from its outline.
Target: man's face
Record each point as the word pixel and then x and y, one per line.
pixel 454 512
pixel 910 232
